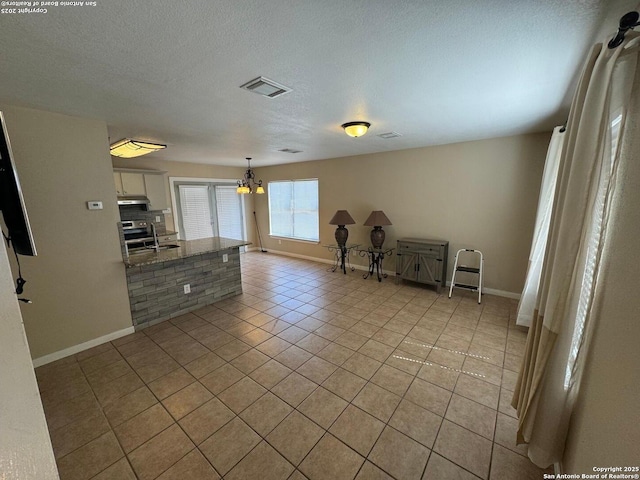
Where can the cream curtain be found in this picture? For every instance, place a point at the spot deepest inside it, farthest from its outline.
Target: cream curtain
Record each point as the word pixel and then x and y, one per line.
pixel 558 337
pixel 529 296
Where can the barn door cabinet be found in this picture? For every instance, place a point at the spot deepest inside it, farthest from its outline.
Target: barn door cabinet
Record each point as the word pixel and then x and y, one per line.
pixel 423 261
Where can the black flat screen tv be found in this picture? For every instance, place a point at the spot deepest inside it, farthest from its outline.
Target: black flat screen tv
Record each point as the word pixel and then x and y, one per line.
pixel 11 200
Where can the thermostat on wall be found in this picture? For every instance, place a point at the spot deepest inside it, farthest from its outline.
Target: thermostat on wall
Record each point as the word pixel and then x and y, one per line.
pixel 94 205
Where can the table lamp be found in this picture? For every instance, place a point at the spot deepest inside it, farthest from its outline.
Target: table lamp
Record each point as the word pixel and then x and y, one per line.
pixel 342 218
pixel 376 220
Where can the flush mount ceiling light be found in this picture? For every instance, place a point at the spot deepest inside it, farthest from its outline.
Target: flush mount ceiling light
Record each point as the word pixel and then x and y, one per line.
pixel 127 148
pixel 248 182
pixel 356 129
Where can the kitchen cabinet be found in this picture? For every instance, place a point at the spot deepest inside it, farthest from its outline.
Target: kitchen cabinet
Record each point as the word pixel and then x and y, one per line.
pixel 117 179
pixel 129 183
pixel 168 238
pixel 423 261
pixel 155 190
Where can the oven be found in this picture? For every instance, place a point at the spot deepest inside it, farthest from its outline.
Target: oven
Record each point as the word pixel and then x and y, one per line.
pixel 137 234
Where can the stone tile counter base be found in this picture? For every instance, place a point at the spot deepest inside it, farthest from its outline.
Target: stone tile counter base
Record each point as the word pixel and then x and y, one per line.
pixel 156 291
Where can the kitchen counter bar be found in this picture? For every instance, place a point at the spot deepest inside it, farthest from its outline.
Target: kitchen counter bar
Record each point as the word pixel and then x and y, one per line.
pixel 170 283
pixel 187 248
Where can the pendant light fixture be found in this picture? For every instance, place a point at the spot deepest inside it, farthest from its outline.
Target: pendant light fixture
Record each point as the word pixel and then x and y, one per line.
pixel 356 129
pixel 248 182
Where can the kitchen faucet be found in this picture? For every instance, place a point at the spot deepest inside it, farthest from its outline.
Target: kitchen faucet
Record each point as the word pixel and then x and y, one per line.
pixel 156 245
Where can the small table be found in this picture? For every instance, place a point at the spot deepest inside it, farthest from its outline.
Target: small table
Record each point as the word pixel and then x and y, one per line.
pixel 342 255
pixel 376 256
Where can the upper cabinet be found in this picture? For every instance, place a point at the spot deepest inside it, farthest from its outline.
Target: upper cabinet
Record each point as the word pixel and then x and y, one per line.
pixel 150 184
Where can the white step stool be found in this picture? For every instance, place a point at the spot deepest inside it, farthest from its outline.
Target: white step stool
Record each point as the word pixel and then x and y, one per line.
pixel 467 253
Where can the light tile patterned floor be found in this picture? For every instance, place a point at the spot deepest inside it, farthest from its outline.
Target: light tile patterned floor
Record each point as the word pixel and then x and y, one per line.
pixel 307 374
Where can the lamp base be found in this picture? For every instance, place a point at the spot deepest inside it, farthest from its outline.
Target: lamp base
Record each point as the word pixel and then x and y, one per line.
pixel 377 237
pixel 341 235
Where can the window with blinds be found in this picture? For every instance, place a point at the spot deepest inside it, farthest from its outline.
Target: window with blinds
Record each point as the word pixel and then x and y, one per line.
pixel 293 209
pixel 229 209
pixel 196 211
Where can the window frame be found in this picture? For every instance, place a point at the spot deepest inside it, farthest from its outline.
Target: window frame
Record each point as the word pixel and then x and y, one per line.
pixel 317 211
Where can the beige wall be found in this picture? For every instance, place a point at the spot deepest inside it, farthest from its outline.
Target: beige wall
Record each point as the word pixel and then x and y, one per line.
pixel 185 169
pixel 77 282
pixel 480 194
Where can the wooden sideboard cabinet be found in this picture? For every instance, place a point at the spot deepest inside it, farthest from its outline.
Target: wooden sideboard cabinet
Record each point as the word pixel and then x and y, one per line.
pixel 423 261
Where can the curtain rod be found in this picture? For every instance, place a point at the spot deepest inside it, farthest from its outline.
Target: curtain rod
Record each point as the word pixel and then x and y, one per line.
pixel 627 22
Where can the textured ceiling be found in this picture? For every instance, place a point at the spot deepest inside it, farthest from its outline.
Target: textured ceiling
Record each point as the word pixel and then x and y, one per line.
pixel 436 71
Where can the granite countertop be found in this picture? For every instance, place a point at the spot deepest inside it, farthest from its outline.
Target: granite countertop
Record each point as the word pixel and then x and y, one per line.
pixel 187 248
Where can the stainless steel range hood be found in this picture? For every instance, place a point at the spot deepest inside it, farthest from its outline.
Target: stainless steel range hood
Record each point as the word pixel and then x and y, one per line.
pixel 133 200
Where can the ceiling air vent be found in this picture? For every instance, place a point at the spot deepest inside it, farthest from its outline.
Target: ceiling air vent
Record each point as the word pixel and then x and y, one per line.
pixel 289 150
pixel 390 135
pixel 265 87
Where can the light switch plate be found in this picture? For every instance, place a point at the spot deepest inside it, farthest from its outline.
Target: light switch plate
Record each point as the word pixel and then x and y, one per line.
pixel 94 205
pixel 225 258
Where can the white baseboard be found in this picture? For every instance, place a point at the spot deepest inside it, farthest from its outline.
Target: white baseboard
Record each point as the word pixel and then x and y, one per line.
pixel 52 357
pixel 490 291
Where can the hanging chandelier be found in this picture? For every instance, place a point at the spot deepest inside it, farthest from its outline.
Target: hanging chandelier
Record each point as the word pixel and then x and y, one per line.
pixel 248 182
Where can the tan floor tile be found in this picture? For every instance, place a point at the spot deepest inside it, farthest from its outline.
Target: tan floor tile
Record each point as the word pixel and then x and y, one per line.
pixel 99 361
pixel 242 394
pixel 331 459
pixel 120 470
pixel 388 337
pixel 171 383
pixel 365 329
pixel 192 466
pixel 440 468
pixel 440 375
pixel 270 374
pixel 255 337
pixel 351 340
pixel 160 453
pixel 233 349
pixel 266 413
pixel 225 448
pixel 264 463
pixel 214 341
pixel 186 400
pixel 222 378
pixel 429 396
pixel 275 326
pixel 506 463
pixel 249 361
pixel 486 354
pixel 310 324
pixel 478 390
pixel 357 429
pixel 295 437
pixel 323 407
pixel 150 369
pixel 317 370
pixel 377 401
pixel 406 362
pixel 111 372
pixel 90 459
pixel 204 364
pixel 293 334
pixel 129 406
pixel 362 365
pixel 63 392
pixel 509 380
pixel 74 435
pixel 392 379
pixel 336 354
pixel 465 448
pixel 137 430
pixel 484 371
pixel 110 392
pixel 273 346
pixel 370 472
pixel 294 389
pixel 205 420
pixel 313 343
pixel 293 357
pixel 416 422
pixel 399 455
pixel 344 384
pixel 64 413
pixel 506 433
pixel 504 405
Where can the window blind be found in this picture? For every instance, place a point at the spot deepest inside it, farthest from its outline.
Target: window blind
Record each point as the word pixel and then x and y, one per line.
pixel 293 209
pixel 196 211
pixel 229 209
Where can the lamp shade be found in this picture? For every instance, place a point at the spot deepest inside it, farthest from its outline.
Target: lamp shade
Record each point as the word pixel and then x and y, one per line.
pixel 356 129
pixel 342 217
pixel 377 219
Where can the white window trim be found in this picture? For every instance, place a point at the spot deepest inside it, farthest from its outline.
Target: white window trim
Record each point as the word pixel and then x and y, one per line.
pixel 174 204
pixel 291 239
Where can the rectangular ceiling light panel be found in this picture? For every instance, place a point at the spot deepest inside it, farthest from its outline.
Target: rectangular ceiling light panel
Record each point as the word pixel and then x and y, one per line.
pixel 127 148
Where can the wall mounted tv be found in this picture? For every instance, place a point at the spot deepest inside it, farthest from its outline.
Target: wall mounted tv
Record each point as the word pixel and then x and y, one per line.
pixel 11 200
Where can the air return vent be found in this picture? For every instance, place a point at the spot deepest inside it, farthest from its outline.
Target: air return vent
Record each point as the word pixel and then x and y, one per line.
pixel 265 87
pixel 289 150
pixel 389 135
